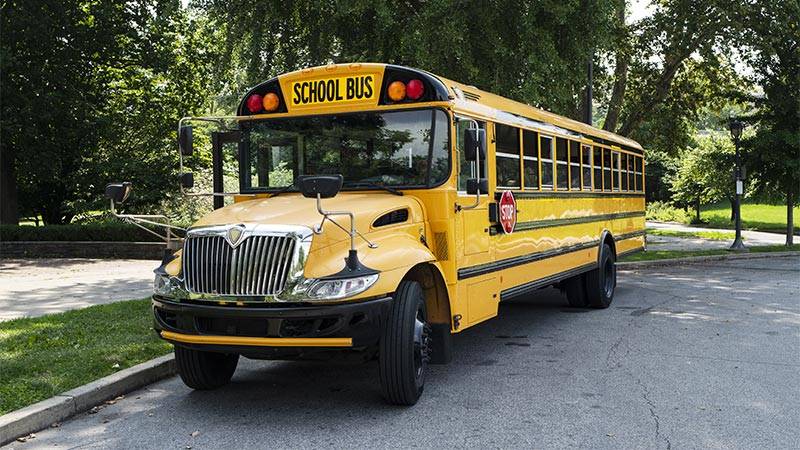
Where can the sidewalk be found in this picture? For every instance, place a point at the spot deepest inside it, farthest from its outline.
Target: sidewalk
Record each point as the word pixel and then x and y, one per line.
pixel 751 238
pixel 34 287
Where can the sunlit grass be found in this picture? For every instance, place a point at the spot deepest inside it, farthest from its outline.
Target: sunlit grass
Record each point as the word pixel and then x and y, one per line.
pixel 755 216
pixel 651 255
pixel 713 235
pixel 44 356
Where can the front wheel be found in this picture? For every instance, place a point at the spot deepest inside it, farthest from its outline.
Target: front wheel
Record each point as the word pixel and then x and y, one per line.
pixel 205 370
pixel 405 346
pixel 601 282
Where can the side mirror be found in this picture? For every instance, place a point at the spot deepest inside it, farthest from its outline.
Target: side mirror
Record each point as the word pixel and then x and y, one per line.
pixel 326 186
pixel 477 186
pixel 187 180
pixel 185 140
pixel 474 140
pixel 119 192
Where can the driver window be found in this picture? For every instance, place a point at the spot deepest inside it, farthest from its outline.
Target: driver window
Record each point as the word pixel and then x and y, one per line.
pixel 466 169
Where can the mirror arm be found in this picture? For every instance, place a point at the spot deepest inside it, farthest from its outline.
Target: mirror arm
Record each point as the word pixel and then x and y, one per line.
pixel 138 220
pixel 353 232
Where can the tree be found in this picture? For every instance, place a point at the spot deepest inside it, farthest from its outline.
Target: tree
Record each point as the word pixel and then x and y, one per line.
pixel 773 153
pixel 92 91
pixel 704 173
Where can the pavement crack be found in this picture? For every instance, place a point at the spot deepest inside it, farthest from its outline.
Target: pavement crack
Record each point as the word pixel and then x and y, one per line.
pixel 651 405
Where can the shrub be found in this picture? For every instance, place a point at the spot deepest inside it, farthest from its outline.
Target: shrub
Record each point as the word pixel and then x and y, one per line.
pixel 664 212
pixel 107 231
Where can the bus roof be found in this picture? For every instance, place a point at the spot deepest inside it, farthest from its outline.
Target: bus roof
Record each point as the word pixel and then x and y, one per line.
pixel 465 98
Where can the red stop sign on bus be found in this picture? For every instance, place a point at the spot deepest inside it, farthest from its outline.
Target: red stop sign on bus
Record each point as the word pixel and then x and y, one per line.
pixel 507 209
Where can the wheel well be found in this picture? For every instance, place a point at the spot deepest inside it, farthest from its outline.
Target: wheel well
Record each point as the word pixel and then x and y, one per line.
pixel 606 238
pixel 437 302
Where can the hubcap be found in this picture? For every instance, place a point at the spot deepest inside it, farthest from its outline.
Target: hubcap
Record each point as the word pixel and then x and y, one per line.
pixel 422 341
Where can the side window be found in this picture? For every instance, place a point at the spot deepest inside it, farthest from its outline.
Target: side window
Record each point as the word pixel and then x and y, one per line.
pixel 625 172
pixel 606 169
pixel 562 164
pixel 587 167
pixel 615 170
pixel 466 169
pixel 637 183
pixel 574 165
pixel 598 169
pixel 530 159
pixel 546 154
pixel 507 157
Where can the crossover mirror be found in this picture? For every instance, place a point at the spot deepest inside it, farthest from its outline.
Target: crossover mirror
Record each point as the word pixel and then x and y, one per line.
pixel 185 140
pixel 119 192
pixel 324 186
pixel 187 180
pixel 477 186
pixel 474 139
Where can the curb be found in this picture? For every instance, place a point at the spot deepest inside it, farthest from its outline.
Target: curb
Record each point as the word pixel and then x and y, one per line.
pixel 702 259
pixel 47 412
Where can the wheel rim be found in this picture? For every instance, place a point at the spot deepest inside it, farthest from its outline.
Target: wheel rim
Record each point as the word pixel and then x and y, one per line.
pixel 609 271
pixel 422 333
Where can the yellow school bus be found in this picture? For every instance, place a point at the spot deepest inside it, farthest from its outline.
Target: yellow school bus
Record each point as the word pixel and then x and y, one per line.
pixel 380 211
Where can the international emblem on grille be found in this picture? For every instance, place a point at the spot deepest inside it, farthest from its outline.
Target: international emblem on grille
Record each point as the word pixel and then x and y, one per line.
pixel 234 234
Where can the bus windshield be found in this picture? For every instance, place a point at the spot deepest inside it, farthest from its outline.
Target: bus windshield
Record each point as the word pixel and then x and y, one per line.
pixel 399 149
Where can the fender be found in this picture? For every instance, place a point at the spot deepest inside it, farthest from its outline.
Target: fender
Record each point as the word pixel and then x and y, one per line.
pixel 605 237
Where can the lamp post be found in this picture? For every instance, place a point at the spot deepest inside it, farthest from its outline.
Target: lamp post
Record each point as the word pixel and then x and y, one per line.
pixel 736 127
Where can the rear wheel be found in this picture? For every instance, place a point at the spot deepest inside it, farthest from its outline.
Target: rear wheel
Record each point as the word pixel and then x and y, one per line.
pixel 205 370
pixel 601 282
pixel 575 288
pixel 405 346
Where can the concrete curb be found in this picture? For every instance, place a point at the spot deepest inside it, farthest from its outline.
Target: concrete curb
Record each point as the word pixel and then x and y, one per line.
pixel 701 259
pixel 47 412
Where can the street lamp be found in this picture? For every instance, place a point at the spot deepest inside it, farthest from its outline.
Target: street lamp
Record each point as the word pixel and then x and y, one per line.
pixel 736 127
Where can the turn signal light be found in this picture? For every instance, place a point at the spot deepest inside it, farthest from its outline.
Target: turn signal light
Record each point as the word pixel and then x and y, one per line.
pixel 396 91
pixel 255 103
pixel 270 102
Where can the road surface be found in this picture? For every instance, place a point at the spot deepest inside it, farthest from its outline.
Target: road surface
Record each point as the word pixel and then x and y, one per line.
pixel 34 287
pixel 702 355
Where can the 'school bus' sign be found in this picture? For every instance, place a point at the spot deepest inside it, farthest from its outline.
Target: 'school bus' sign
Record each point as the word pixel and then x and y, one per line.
pixel 359 88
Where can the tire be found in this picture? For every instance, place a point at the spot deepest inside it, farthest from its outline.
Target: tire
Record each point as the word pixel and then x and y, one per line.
pixel 575 288
pixel 601 282
pixel 404 351
pixel 205 370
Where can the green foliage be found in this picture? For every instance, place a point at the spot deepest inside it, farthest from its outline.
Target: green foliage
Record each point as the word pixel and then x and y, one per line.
pixel 91 94
pixel 45 356
pixel 664 212
pixel 516 48
pixel 109 231
pixel 705 172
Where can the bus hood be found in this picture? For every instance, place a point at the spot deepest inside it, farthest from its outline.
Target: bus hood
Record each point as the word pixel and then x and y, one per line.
pixel 294 209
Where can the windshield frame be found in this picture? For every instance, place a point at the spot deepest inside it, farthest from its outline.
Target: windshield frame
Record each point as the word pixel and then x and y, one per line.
pixel 244 157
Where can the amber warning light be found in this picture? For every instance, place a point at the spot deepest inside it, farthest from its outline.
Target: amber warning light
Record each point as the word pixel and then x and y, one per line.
pixel 268 102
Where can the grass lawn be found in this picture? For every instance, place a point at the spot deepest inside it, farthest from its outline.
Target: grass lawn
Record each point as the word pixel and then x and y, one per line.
pixel 44 356
pixel 755 216
pixel 713 235
pixel 651 255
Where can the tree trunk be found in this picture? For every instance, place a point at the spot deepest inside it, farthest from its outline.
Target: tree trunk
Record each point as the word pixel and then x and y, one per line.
pixel 790 217
pixel 620 79
pixel 9 212
pixel 697 209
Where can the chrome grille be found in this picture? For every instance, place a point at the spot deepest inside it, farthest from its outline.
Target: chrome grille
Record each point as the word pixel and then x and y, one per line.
pixel 259 265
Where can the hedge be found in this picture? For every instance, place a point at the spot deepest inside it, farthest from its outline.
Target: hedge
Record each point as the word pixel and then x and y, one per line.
pixel 120 232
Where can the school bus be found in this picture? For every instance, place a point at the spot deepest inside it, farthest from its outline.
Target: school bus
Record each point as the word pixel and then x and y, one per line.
pixel 381 210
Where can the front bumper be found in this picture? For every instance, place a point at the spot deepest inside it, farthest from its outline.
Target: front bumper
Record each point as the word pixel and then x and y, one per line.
pixel 271 332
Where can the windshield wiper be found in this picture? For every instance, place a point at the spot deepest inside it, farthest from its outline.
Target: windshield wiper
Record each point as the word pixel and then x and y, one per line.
pixel 391 190
pixel 280 191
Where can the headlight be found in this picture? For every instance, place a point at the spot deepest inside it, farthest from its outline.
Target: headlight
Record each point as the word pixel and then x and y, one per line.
pixel 163 285
pixel 341 288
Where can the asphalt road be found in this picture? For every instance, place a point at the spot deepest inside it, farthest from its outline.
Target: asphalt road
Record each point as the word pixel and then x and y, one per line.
pixel 33 287
pixel 687 356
